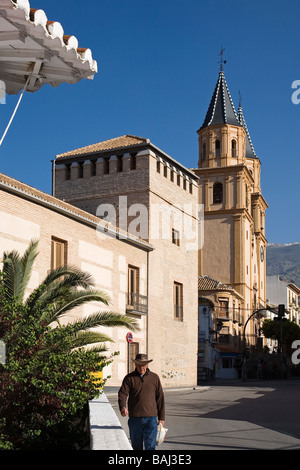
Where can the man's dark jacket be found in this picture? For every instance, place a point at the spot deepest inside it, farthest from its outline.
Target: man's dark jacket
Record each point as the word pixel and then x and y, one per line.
pixel 145 395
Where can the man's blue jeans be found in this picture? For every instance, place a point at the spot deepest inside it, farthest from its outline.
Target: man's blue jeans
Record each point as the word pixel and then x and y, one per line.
pixel 143 431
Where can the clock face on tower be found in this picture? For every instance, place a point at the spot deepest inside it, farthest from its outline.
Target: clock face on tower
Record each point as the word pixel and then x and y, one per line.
pixel 262 253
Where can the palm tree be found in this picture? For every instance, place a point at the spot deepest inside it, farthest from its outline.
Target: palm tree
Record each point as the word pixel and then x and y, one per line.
pixel 62 290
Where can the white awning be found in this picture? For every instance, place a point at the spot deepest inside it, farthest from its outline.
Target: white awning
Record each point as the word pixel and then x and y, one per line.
pixel 35 51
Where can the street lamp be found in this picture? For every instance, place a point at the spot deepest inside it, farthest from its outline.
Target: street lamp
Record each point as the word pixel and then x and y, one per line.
pixel 280 317
pixel 244 375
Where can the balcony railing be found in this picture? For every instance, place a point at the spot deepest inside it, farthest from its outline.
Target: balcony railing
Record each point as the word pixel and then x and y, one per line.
pixel 229 314
pixel 236 341
pixel 137 303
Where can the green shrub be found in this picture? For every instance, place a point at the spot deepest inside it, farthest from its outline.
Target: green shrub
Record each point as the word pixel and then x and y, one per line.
pixel 46 378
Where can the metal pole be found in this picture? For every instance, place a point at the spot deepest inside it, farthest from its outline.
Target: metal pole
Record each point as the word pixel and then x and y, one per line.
pixel 244 375
pixel 15 110
pixel 281 358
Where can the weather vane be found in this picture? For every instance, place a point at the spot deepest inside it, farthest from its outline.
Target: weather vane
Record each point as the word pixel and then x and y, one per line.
pixel 222 61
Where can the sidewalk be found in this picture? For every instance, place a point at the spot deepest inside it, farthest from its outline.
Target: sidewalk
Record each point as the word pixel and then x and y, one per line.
pixel 229 414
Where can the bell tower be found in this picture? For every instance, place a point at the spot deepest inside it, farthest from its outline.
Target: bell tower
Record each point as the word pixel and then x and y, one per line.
pixel 234 246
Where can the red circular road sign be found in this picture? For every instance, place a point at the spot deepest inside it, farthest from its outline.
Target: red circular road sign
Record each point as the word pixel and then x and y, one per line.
pixel 129 337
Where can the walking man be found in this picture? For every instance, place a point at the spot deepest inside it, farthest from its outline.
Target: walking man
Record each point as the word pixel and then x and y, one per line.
pixel 146 404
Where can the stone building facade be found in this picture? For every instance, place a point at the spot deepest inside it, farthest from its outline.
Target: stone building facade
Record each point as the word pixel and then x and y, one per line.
pixel 157 237
pixel 142 190
pixel 234 247
pixel 68 235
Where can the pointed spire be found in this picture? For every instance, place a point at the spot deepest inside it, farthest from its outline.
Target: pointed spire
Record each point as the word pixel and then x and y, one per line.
pixel 221 108
pixel 250 152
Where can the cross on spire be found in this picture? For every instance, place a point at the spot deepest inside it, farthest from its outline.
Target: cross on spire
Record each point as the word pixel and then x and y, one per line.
pixel 222 61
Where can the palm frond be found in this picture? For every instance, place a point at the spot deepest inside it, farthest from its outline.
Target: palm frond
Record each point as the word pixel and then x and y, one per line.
pixel 27 262
pixel 72 300
pixel 72 276
pixel 99 349
pixel 85 338
pixel 62 290
pixel 18 270
pixel 58 282
pixel 9 278
pixel 108 319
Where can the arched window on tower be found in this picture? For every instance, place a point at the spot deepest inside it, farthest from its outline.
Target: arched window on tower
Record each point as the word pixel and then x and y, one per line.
pixel 233 148
pixel 217 148
pixel 204 151
pixel 217 193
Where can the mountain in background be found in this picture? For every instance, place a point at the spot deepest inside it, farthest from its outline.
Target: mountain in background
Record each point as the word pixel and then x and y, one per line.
pixel 284 260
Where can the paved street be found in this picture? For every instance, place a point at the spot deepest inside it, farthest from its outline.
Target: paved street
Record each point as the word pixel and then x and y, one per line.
pixel 232 415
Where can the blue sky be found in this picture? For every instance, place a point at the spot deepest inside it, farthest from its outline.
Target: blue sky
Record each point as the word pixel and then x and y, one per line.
pixel 158 65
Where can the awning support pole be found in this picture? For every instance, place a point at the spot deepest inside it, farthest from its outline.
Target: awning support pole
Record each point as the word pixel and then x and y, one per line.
pixel 15 110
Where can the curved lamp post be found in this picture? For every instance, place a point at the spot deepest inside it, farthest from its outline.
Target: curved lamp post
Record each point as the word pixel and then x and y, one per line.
pixel 244 375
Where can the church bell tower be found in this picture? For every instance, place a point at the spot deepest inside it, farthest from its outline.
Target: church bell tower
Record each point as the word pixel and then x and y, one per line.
pixel 234 245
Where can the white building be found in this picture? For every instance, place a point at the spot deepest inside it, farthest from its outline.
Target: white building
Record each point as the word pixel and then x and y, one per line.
pixel 281 290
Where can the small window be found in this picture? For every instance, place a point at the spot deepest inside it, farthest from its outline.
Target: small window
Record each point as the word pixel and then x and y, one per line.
pixel 80 170
pixel 133 162
pixel 223 308
pixel 175 237
pixel 233 148
pixel 93 168
pixel 172 175
pixel 158 166
pixel 133 285
pixel 178 301
pixel 68 171
pixel 217 193
pixel 191 188
pixel 165 171
pixel 217 148
pixel 120 164
pixel 58 253
pixel 203 151
pixel 106 166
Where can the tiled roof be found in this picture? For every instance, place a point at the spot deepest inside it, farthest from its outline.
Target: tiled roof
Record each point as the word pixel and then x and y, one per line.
pixel 250 152
pixel 33 45
pixel 208 283
pixel 221 109
pixel 118 142
pixel 24 190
